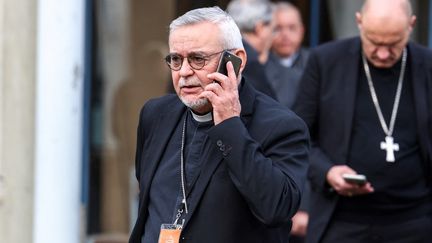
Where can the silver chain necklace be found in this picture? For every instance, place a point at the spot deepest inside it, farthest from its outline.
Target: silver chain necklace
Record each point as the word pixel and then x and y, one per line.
pixel 182 176
pixel 388 145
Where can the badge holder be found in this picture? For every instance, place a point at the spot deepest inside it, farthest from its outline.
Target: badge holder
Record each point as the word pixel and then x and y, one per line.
pixel 170 233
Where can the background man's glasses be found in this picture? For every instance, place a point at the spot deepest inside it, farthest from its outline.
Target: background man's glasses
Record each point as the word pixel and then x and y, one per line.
pixel 196 60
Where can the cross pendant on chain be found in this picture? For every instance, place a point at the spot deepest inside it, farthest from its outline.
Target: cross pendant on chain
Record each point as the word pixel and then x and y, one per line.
pixel 389 147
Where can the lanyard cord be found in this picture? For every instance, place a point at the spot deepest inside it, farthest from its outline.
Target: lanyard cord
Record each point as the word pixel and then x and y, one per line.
pixel 182 165
pixel 182 174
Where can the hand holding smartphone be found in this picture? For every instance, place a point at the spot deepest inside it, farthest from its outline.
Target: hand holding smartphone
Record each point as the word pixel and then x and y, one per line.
pixel 224 59
pixel 229 104
pixel 355 179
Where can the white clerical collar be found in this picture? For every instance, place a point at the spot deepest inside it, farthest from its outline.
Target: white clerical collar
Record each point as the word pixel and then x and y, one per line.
pixel 288 61
pixel 202 118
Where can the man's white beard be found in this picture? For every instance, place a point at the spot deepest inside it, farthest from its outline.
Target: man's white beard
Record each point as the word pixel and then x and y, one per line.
pixel 193 104
pixel 196 104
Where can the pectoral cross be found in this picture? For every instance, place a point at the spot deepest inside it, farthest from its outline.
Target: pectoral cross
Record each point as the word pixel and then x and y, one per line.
pixel 389 147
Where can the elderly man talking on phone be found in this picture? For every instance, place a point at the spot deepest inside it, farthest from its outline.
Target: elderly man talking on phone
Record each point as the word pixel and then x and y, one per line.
pixel 219 161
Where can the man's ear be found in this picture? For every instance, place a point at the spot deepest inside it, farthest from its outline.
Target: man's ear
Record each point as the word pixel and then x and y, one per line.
pixel 302 31
pixel 243 56
pixel 358 19
pixel 259 27
pixel 413 21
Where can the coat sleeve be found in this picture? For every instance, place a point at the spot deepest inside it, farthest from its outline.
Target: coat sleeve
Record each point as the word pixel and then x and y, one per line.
pixel 268 173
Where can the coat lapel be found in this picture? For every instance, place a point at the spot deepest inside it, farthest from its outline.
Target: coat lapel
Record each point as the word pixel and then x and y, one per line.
pixel 165 124
pixel 349 91
pixel 211 159
pixel 419 79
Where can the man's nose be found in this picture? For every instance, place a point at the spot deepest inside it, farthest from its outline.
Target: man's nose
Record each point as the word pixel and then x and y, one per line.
pixel 186 68
pixel 383 52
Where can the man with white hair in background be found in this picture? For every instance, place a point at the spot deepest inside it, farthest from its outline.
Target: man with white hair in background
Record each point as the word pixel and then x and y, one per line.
pixel 255 21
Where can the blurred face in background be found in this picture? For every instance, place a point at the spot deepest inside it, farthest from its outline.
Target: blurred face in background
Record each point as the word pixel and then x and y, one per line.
pixel 266 30
pixel 288 32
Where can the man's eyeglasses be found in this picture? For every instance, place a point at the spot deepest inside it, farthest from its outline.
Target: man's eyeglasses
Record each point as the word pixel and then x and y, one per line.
pixel 196 60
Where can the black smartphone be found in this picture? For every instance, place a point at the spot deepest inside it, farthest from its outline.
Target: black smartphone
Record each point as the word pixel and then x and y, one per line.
pixel 355 179
pixel 224 59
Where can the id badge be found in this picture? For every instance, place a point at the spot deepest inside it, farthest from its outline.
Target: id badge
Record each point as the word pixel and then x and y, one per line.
pixel 170 233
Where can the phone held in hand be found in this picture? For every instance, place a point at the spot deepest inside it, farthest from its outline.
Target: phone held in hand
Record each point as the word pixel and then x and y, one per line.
pixel 224 59
pixel 355 179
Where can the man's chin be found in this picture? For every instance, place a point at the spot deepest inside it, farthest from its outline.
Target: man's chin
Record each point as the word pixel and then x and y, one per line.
pixel 197 104
pixel 383 64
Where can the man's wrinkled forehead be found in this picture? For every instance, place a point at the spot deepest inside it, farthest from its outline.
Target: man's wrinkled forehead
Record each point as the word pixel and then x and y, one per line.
pixel 196 38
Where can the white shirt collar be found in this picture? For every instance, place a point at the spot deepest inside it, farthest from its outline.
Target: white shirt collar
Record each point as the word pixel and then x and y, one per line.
pixel 288 61
pixel 202 118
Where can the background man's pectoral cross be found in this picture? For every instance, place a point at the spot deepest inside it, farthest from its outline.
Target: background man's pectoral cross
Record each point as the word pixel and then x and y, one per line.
pixel 389 147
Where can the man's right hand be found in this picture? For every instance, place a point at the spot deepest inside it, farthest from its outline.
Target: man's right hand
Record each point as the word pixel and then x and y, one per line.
pixel 338 183
pixel 299 223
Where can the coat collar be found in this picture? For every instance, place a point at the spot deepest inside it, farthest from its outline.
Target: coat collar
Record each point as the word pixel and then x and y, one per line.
pixel 247 99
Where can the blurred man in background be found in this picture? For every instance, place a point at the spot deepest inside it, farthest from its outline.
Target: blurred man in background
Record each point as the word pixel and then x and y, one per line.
pixel 255 21
pixel 284 68
pixel 287 59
